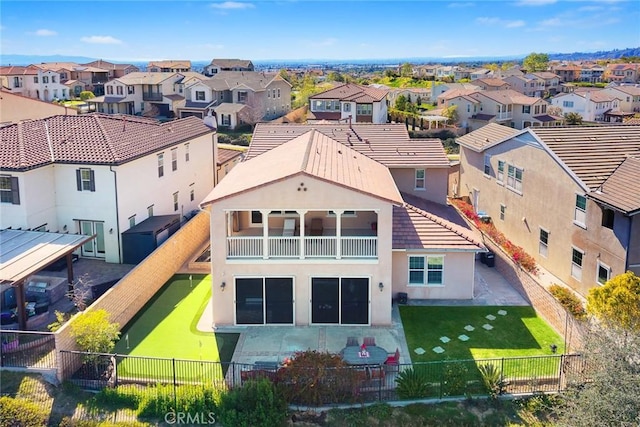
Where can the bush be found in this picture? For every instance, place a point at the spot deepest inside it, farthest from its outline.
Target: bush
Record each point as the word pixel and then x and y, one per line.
pixel 71 422
pixel 492 379
pixel 568 300
pixel 412 384
pixel 257 403
pixel 189 399
pixel 21 413
pixel 454 379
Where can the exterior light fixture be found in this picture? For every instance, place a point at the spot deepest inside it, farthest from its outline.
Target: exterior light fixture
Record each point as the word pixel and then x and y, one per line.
pixel 381 286
pixel 223 285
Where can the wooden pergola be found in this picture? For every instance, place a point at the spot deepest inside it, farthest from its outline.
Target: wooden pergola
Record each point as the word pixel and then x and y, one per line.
pixel 23 253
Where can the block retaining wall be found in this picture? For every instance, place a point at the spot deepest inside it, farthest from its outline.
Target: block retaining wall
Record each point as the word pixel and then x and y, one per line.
pixel 124 300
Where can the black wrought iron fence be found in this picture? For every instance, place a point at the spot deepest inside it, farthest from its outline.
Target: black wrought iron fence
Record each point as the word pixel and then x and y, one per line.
pixel 352 384
pixel 25 349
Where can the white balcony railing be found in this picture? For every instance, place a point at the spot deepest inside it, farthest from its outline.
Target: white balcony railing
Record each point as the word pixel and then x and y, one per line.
pixel 505 115
pixel 314 247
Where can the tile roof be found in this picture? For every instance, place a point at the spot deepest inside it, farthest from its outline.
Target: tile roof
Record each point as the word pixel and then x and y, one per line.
pixel 628 89
pixel 90 139
pixel 109 65
pixel 388 144
pixel 618 190
pixel 592 152
pixel 414 228
pixel 312 154
pixel 505 97
pixel 14 108
pixel 13 70
pixel 487 136
pixel 454 93
pixel 226 154
pixel 228 108
pixel 545 75
pixel 352 92
pixel 490 82
pixel 228 80
pixel 173 63
pixel 145 78
pixel 231 63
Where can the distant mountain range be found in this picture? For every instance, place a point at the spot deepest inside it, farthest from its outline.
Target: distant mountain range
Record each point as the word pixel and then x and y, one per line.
pixel 576 56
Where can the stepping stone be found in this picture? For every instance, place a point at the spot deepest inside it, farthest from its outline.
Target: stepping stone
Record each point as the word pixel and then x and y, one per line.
pixel 445 339
pixel 487 326
pixel 463 337
pixel 502 312
pixel 438 349
pixel 469 328
pixel 490 317
pixel 420 351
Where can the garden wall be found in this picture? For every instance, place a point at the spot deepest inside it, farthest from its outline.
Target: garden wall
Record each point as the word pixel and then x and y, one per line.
pixel 540 299
pixel 131 293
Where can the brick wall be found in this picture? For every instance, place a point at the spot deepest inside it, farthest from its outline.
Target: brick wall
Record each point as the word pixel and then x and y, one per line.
pixel 131 293
pixel 537 295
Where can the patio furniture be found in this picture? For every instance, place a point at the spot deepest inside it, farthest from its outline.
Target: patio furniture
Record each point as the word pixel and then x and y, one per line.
pixel 316 228
pixel 352 341
pixel 364 355
pixel 393 361
pixel 369 341
pixel 289 227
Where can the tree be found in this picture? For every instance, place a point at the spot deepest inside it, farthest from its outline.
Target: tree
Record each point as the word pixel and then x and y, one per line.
pixel 86 94
pixel 573 118
pixel 406 70
pixel 253 110
pixel 604 385
pixel 554 110
pixel 401 103
pixel 94 332
pixel 617 303
pixel 451 113
pixel 536 62
pixel 335 76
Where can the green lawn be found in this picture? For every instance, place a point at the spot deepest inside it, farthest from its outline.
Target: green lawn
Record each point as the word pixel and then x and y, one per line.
pixel 167 328
pixel 520 332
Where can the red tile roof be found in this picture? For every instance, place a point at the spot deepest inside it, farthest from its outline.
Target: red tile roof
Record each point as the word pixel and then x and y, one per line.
pixel 352 92
pixel 388 144
pixel 621 189
pixel 90 139
pixel 414 228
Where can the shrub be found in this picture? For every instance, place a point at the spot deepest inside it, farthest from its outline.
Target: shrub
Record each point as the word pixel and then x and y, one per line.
pixel 412 384
pixel 21 413
pixel 568 300
pixel 454 379
pixel 256 403
pixel 492 379
pixel 190 399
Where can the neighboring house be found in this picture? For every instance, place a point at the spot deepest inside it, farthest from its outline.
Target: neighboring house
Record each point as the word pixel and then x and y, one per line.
pixel 311 231
pixel 564 194
pixel 480 73
pixel 592 73
pixel 591 105
pixel 443 71
pixel 489 84
pixel 511 108
pixel 169 66
pixel 629 96
pixel 462 73
pixel 411 94
pixel 93 78
pixel 551 81
pixel 218 65
pixel 567 72
pixel 100 174
pixel 228 156
pixel 425 71
pixel 438 89
pixel 114 70
pixel 15 108
pixel 238 96
pixel 466 106
pixel 348 101
pixel 18 80
pixel 140 93
pixel 622 73
pixel 527 84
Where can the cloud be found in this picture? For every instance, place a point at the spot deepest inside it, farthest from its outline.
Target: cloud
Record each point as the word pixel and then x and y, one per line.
pixel 501 22
pixel 228 5
pixel 551 22
pixel 101 40
pixel 45 33
pixel 535 2
pixel 460 5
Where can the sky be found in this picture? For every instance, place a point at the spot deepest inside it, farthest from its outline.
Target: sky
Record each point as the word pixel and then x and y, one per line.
pixel 314 29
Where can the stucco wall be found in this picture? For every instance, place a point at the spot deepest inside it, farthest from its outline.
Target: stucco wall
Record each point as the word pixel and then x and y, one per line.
pixel 435 183
pixel 129 295
pixel 459 270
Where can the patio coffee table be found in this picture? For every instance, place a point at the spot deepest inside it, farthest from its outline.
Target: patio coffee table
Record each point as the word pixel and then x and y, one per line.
pixel 372 355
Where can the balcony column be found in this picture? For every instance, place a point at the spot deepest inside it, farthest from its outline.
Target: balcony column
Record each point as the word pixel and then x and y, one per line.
pixel 301 214
pixel 265 233
pixel 338 233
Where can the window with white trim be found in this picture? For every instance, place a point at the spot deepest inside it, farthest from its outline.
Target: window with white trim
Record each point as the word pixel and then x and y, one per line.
pixel 199 95
pixel 543 244
pixel 487 164
pixel 192 192
pixel 186 152
pixel 85 179
pixel 500 175
pixel 160 165
pixel 420 179
pixel 132 221
pixel 576 263
pixel 9 191
pixel 603 273
pixel 426 270
pixel 364 109
pixel 150 211
pixel 503 210
pixel 174 159
pixel 346 107
pixel 175 201
pixel 580 213
pixel 514 178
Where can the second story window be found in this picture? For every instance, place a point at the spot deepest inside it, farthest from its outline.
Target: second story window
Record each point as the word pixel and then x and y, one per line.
pixel 85 179
pixel 9 191
pixel 242 97
pixel 500 176
pixel 45 79
pixel 199 95
pixel 580 213
pixel 607 218
pixel 186 152
pixel 192 192
pixel 576 263
pixel 174 159
pixel 514 178
pixel 35 79
pixel 109 90
pixel 175 201
pixel 160 165
pixel 487 164
pixel 420 179
pixel 131 90
pixel 119 90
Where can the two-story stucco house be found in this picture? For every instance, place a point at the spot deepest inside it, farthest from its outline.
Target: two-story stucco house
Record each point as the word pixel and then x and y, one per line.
pixel 348 101
pixel 311 230
pixel 528 85
pixel 169 66
pixel 628 94
pixel 567 195
pixel 102 174
pixel 221 64
pixel 591 105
